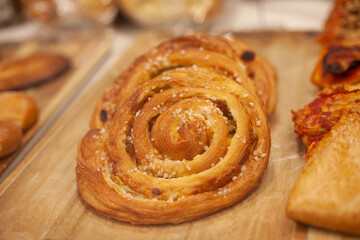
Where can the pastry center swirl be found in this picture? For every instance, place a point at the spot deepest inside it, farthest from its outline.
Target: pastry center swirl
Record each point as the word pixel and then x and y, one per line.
pixel 180 132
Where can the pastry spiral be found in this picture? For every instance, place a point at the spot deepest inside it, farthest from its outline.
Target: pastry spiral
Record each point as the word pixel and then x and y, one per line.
pixel 198 51
pixel 184 145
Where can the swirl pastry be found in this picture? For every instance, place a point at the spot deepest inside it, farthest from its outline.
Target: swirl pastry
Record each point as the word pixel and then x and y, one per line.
pixel 197 51
pixel 338 64
pixel 187 141
pixel 261 72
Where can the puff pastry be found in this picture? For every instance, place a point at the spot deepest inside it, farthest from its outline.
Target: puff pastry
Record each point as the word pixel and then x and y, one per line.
pixel 261 72
pixel 338 64
pixel 194 51
pixel 185 139
pixel 318 117
pixel 343 23
pixel 326 194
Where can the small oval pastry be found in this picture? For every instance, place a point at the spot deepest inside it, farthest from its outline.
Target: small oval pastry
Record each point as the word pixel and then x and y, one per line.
pixel 21 73
pixel 10 137
pixel 19 108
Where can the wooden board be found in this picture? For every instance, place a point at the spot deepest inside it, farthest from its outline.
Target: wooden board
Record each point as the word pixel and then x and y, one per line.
pixel 40 200
pixel 84 49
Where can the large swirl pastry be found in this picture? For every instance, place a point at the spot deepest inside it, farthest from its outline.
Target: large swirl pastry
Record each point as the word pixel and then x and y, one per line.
pixel 184 140
pixel 199 51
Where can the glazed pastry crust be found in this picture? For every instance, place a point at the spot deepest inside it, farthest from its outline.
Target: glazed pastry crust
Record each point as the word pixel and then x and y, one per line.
pixel 261 72
pixel 199 50
pixel 317 118
pixel 326 194
pixel 338 64
pixel 188 140
pixel 342 24
pixel 18 108
pixel 10 137
pixel 32 70
pixel 18 112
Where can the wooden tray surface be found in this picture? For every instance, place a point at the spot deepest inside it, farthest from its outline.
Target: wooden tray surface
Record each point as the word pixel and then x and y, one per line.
pixel 84 50
pixel 40 200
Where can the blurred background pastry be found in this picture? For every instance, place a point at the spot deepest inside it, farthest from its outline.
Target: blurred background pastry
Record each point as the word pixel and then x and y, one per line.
pixel 164 11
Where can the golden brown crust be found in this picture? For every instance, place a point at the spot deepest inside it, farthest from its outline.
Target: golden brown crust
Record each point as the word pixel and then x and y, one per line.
pixel 316 119
pixel 31 70
pixel 261 72
pixel 326 194
pixel 19 108
pixel 193 51
pixel 343 23
pixel 338 64
pixel 10 137
pixel 183 145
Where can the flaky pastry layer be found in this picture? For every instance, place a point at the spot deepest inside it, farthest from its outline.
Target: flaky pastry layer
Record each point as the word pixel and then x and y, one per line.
pixel 176 137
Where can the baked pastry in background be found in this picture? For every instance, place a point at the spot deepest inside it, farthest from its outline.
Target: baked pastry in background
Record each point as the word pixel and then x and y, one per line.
pixel 313 121
pixel 162 12
pixel 20 73
pixel 343 23
pixel 179 135
pixel 10 137
pixel 51 12
pixel 326 194
pixel 338 63
pixel 18 112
